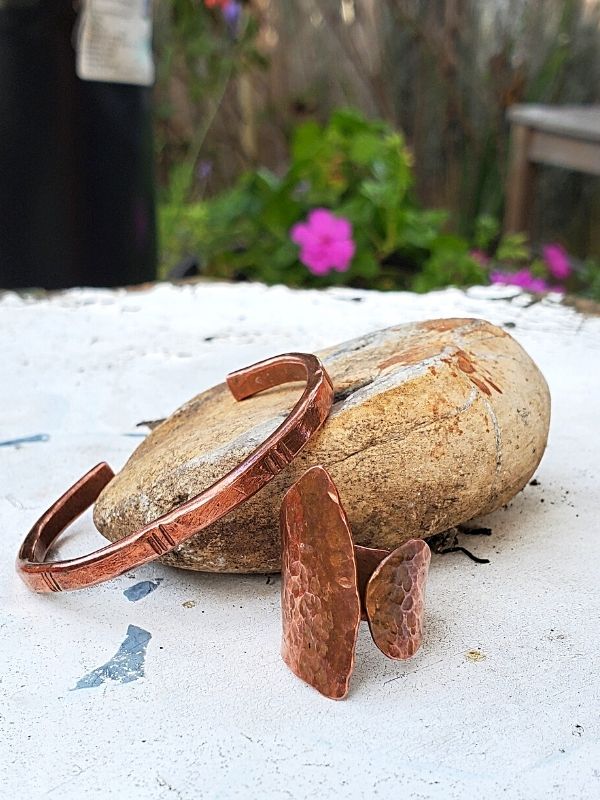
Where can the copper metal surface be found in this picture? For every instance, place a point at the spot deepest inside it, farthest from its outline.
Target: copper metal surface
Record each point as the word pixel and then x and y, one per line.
pixel 173 528
pixel 320 601
pixel 367 560
pixel 328 583
pixel 395 598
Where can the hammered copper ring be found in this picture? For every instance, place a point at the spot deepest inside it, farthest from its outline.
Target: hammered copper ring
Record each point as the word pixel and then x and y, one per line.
pixel 174 527
pixel 328 584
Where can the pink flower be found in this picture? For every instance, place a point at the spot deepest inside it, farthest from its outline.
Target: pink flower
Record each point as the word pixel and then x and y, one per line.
pixel 523 278
pixel 557 260
pixel 325 242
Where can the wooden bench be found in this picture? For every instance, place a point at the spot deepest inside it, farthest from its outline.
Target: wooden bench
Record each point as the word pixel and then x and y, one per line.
pixel 563 136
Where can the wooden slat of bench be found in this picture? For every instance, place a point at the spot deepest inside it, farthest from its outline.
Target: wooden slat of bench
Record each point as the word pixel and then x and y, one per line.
pixel 560 151
pixel 577 122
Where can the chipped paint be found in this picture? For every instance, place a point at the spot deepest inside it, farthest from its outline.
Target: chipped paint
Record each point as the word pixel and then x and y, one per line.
pixel 125 666
pixel 36 437
pixel 141 589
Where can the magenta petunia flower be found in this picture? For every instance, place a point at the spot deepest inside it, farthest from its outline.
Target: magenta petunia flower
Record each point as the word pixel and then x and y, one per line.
pixel 325 242
pixel 557 260
pixel 523 278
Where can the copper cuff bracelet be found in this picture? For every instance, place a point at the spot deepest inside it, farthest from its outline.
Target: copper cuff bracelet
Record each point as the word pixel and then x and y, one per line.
pixel 174 527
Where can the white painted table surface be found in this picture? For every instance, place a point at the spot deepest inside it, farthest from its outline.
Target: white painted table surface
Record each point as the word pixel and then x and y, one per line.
pixel 217 714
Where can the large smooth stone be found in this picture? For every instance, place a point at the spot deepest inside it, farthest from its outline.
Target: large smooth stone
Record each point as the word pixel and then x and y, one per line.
pixel 434 423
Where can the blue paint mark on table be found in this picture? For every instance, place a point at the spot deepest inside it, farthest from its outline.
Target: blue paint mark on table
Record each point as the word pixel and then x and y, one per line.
pixel 125 666
pixel 36 437
pixel 141 589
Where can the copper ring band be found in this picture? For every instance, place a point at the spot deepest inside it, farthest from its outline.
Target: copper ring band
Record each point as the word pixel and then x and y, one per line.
pixel 173 528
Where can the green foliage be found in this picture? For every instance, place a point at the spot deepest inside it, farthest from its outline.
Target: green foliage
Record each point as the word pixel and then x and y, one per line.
pixel 494 55
pixel 513 248
pixel 180 224
pixel 450 264
pixel 589 279
pixel 486 231
pixel 359 169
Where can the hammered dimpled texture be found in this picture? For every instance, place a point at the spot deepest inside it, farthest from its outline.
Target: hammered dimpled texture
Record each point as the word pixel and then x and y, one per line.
pixel 395 598
pixel 320 601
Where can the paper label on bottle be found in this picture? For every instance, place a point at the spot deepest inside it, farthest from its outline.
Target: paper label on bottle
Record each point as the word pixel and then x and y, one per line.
pixel 114 42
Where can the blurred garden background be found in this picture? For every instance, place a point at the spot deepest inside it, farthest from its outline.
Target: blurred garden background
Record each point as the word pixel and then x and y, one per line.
pixel 386 144
pixel 366 142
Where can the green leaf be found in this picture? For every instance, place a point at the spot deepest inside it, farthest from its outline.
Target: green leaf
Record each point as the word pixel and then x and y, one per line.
pixel 279 214
pixel 307 141
pixel 365 148
pixel 422 229
pixel 513 247
pixel 364 264
pixel 449 265
pixel 486 230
